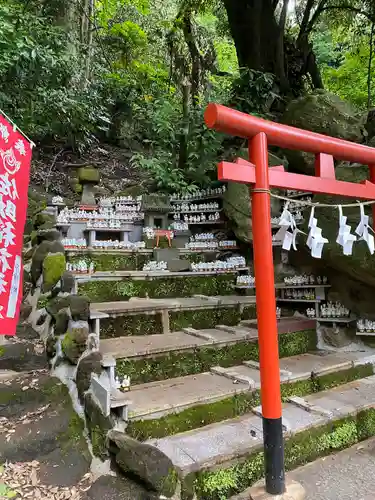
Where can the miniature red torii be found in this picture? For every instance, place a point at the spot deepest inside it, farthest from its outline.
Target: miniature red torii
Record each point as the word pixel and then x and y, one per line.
pixel 261 134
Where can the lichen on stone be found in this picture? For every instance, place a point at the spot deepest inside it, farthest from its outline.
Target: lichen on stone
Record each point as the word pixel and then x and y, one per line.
pixel 54 266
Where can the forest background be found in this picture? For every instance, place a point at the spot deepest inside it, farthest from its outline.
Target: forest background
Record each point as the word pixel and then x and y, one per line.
pixel 123 84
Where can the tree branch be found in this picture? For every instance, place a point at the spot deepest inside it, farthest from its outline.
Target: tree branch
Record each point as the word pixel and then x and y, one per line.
pixel 283 15
pixel 351 9
pixel 306 17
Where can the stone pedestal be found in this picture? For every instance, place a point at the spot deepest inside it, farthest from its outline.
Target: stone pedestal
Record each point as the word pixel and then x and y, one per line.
pixel 293 491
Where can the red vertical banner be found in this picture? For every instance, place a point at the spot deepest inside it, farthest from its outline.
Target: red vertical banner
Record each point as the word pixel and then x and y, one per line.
pixel 15 159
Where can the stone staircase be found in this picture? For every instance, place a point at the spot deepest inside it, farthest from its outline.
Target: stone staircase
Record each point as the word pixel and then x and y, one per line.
pixel 190 348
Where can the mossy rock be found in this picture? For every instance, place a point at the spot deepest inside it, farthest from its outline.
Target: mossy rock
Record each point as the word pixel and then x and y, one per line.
pixel 61 322
pixel 41 218
pixel 88 365
pixel 55 305
pixel 98 426
pixel 146 462
pixel 79 307
pixel 74 342
pixel 67 282
pixel 88 175
pixel 47 235
pixel 54 266
pixel 324 113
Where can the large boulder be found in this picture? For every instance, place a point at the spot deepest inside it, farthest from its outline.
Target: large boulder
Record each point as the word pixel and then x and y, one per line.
pixel 324 113
pixel 145 461
pixel 237 204
pixel 352 277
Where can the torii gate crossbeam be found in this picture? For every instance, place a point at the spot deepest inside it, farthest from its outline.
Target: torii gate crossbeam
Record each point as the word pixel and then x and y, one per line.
pixel 261 134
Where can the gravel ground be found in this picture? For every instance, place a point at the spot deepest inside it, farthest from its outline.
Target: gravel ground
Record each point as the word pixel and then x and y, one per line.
pixel 347 475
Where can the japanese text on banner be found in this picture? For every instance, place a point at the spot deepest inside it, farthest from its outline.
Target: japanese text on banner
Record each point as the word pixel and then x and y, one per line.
pixel 15 159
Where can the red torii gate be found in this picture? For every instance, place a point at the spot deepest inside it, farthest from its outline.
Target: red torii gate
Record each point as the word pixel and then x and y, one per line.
pixel 262 133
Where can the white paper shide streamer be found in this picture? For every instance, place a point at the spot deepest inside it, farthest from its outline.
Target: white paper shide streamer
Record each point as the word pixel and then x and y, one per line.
pixel 363 230
pixel 288 230
pixel 315 240
pixel 345 238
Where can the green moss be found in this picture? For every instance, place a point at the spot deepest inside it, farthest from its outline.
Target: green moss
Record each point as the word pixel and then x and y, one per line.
pixel 102 291
pixel 291 344
pixel 54 266
pixel 88 175
pixel 206 318
pixel 300 449
pixel 112 262
pixel 239 404
pixel 140 324
pixel 42 302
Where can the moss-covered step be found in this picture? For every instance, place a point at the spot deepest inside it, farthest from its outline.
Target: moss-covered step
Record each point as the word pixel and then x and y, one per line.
pixel 184 403
pixel 122 285
pixel 223 459
pixel 152 316
pixel 219 350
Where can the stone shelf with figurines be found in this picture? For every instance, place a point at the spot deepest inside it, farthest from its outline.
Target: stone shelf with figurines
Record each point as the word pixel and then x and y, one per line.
pixel 333 312
pixel 74 243
pixel 191 208
pixel 153 265
pixel 365 327
pixel 196 209
pixel 80 267
pixel 209 242
pixel 58 201
pixel 221 266
pixel 204 194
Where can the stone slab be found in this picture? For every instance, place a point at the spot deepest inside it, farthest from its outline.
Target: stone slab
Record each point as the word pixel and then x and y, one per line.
pixel 134 346
pixel 139 305
pixel 160 398
pixel 239 373
pixel 215 443
pixel 101 394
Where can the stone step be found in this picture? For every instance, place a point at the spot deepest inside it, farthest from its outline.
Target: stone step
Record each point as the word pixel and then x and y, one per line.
pixel 285 325
pixel 344 417
pixel 148 358
pixel 139 305
pixel 142 346
pixel 151 316
pixel 300 367
pixel 157 399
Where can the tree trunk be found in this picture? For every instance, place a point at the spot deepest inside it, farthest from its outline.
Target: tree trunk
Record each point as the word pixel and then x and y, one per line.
pixel 184 139
pixel 196 69
pixel 256 35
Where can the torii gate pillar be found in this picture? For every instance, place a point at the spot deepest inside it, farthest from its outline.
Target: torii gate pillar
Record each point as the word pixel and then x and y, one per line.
pixel 261 134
